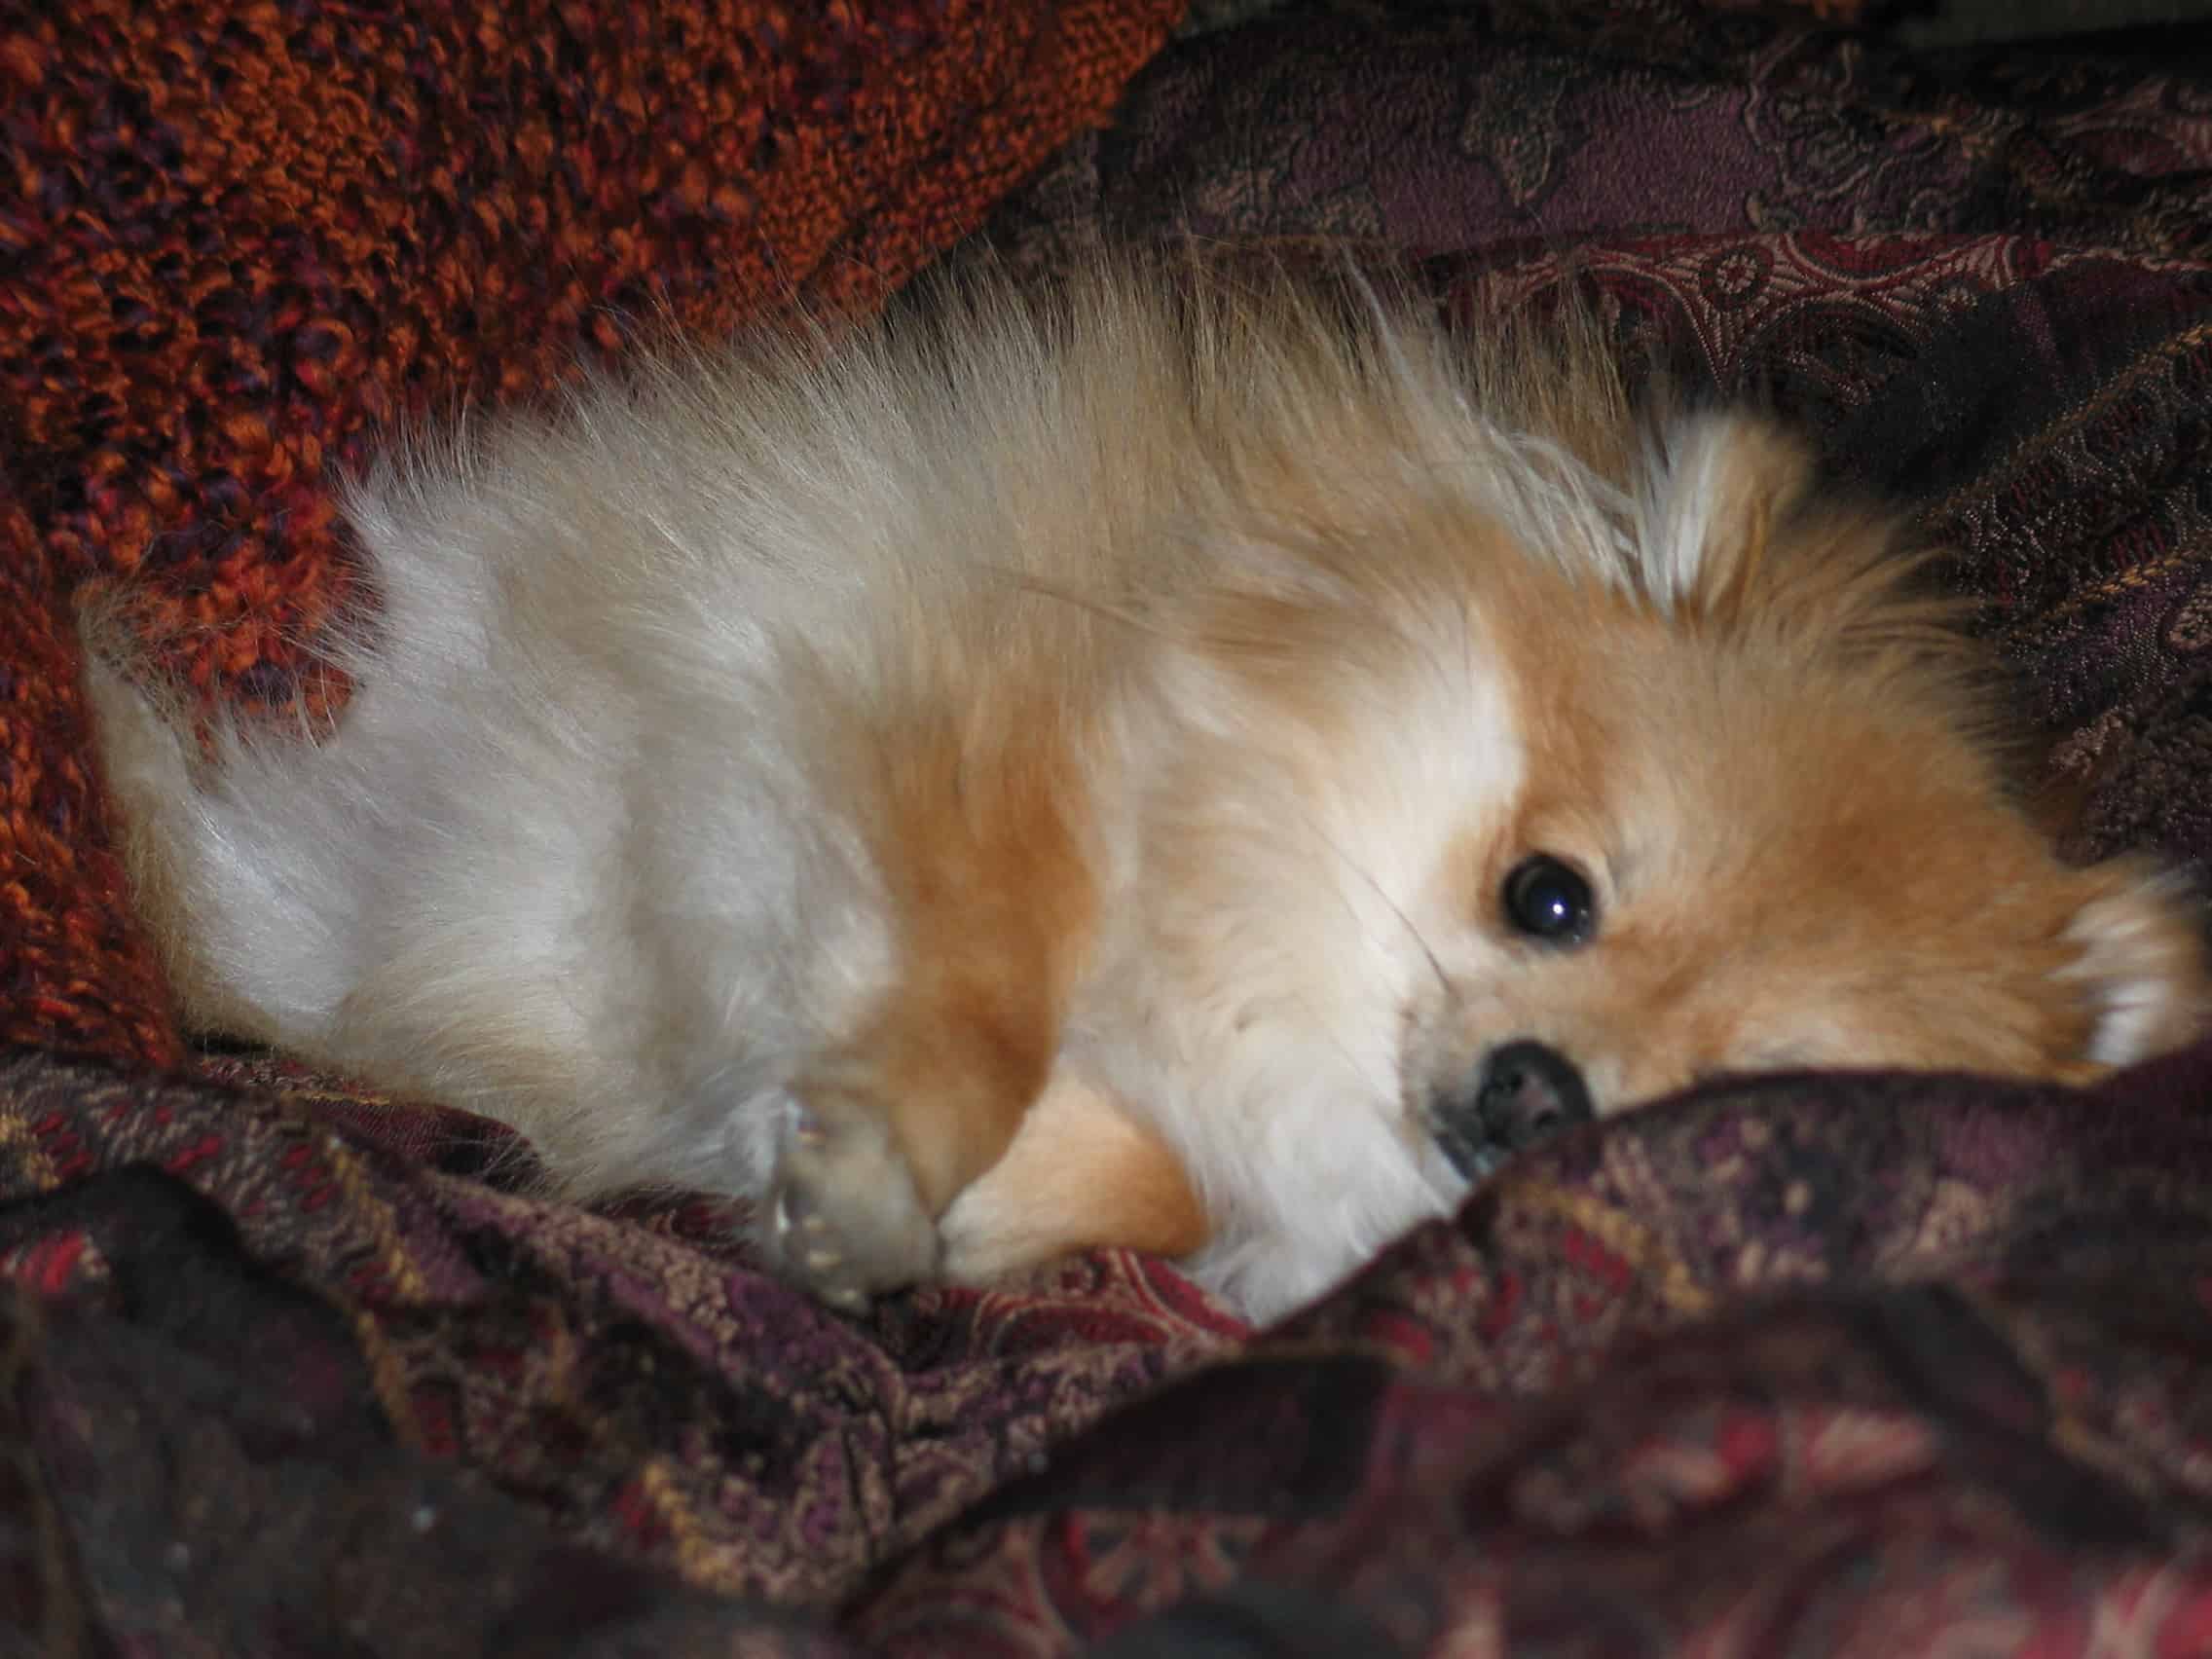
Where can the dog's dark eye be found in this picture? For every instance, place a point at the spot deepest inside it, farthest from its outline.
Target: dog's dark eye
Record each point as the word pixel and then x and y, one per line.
pixel 1548 901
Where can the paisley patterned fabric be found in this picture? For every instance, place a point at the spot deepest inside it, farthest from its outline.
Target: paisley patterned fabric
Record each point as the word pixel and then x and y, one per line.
pixel 1829 1364
pixel 282 1374
pixel 1870 1368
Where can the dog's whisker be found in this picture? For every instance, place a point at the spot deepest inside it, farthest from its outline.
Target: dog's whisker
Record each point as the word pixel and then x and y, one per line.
pixel 1413 932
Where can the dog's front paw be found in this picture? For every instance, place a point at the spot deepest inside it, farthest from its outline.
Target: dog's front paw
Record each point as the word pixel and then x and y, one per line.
pixel 847 1220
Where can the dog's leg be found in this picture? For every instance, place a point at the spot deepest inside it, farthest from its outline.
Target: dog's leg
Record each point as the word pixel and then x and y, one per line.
pixel 1080 1174
pixel 992 899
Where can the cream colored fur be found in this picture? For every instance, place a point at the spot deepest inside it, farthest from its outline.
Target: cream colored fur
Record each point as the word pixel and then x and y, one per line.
pixel 701 722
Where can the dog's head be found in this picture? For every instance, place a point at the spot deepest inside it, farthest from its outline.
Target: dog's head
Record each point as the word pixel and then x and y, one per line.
pixel 1555 791
pixel 1758 824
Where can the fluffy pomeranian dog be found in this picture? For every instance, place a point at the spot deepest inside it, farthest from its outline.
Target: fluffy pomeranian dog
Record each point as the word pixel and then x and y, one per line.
pixel 1190 758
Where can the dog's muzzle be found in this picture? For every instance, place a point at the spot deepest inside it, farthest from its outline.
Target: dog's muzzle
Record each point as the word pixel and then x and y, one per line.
pixel 1524 1092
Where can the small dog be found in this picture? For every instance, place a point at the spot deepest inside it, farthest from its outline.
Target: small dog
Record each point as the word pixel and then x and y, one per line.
pixel 1209 762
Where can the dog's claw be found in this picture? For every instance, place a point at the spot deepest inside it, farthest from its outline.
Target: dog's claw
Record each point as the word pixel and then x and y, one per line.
pixel 847 1222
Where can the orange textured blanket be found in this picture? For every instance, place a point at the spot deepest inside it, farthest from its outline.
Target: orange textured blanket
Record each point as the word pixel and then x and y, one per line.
pixel 237 240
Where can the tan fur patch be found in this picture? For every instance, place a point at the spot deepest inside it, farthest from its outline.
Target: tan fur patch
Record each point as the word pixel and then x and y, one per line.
pixel 993 903
pixel 1080 1174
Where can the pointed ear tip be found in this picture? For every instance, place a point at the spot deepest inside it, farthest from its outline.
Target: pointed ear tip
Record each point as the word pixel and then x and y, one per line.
pixel 1765 444
pixel 1727 480
pixel 2146 959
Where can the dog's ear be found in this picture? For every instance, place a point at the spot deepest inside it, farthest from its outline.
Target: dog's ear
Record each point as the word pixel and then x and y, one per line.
pixel 1740 536
pixel 2140 963
pixel 1715 490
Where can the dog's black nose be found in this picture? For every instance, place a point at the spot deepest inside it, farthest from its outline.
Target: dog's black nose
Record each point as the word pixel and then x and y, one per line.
pixel 1530 1090
pixel 1524 1092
